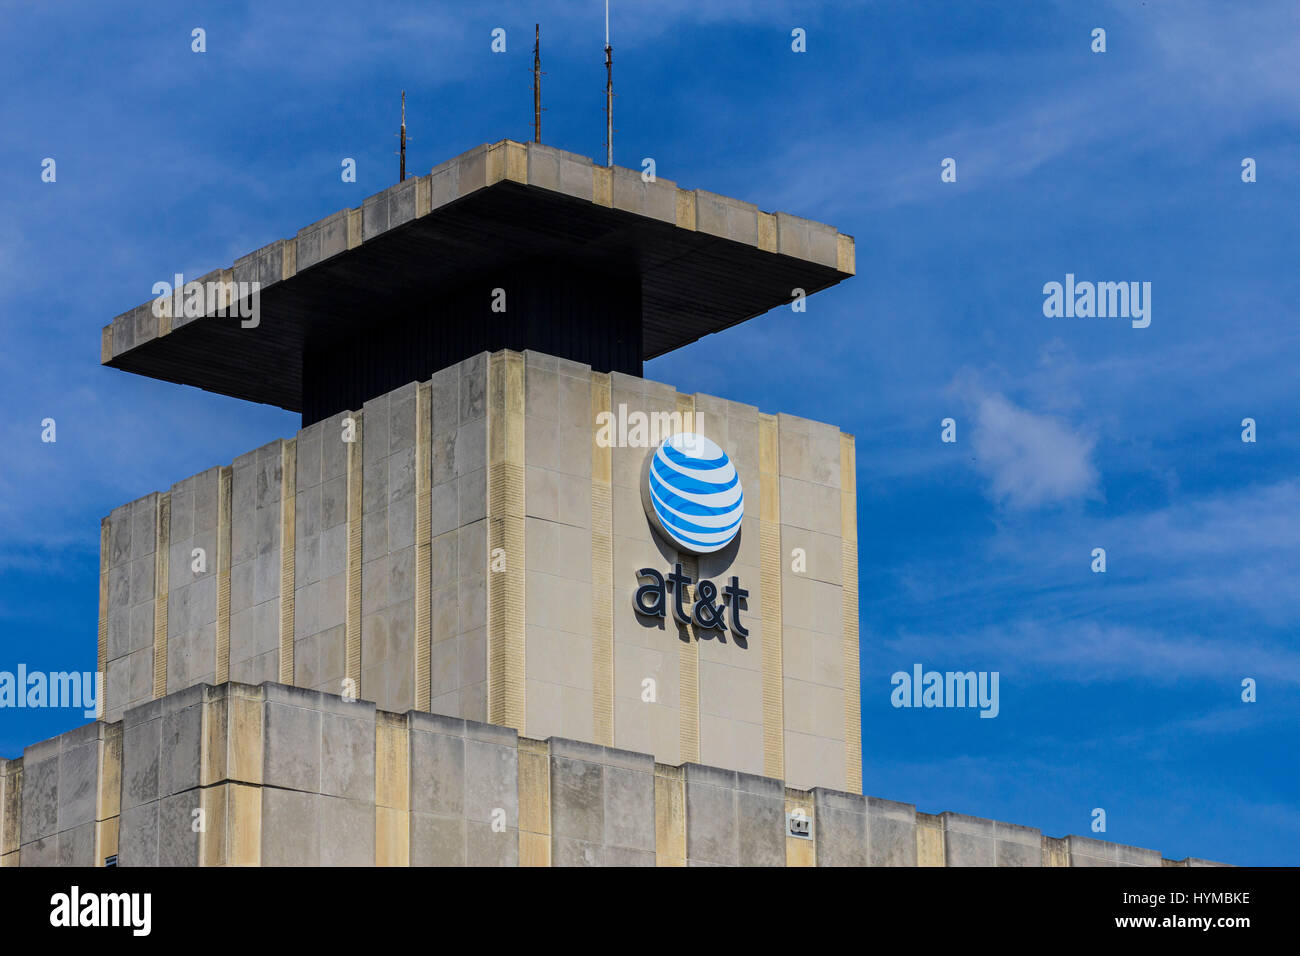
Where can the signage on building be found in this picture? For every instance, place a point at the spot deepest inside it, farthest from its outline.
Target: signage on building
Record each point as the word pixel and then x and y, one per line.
pixel 693 498
pixel 692 494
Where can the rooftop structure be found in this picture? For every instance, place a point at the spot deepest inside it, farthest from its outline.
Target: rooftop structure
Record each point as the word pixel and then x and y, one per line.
pixel 593 263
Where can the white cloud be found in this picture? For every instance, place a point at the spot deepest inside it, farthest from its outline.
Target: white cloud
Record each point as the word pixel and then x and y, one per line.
pixel 1030 460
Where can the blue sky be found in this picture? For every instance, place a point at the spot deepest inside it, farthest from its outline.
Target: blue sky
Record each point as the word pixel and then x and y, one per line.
pixel 1118 690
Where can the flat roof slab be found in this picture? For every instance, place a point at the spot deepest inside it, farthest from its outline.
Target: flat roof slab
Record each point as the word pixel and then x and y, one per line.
pixel 706 262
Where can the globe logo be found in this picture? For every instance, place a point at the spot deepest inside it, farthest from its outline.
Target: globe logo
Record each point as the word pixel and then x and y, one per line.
pixel 693 495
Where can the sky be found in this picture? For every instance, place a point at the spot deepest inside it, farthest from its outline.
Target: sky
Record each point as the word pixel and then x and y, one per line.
pixel 1119 690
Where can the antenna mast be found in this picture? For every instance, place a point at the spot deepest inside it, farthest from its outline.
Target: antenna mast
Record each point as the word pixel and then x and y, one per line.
pixel 609 93
pixel 402 167
pixel 537 83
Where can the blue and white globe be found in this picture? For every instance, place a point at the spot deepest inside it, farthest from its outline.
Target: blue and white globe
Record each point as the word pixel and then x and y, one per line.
pixel 695 499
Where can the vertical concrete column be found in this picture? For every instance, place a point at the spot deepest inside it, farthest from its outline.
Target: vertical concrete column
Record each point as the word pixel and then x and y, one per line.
pixel 670 815
pixel 388 568
pixel 225 482
pixel 800 851
pixel 256 564
pixel 231 775
pixel 849 604
pixel 132 533
pixel 458 669
pixel 506 626
pixel 288 524
pixel 352 606
pixel 321 555
pixel 929 840
pixel 731 666
pixel 602 569
pixel 812 577
pixel 108 792
pixel 38 832
pixel 101 657
pixel 392 790
pixel 162 747
pixel 688 648
pixel 563 658
pixel 192 587
pixel 534 802
pixel 840 828
pixel 11 810
pixel 423 537
pixel 1055 852
pixel 769 504
pixel 162 553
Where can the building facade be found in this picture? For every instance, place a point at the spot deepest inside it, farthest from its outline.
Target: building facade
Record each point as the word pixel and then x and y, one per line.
pixel 501 600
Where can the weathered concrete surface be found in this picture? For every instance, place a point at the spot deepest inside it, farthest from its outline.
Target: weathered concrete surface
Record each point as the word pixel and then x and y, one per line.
pixel 285 776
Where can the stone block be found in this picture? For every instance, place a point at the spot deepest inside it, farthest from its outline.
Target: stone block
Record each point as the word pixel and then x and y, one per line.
pixel 968 841
pixel 291 830
pixel 178 843
pixel 293 746
pixel 712 830
pixel 78 769
pixel 347 831
pixel 137 835
pixel 180 742
pixel 76 846
pixel 437 839
pixel 840 822
pixel 348 754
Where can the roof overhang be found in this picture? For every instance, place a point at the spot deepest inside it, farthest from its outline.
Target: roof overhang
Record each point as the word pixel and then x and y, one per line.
pixel 706 262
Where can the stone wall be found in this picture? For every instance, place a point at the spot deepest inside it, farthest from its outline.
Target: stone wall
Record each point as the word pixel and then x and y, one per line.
pixel 275 775
pixel 470 545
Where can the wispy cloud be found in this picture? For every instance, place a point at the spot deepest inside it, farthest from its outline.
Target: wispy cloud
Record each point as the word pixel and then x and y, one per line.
pixel 1029 459
pixel 1090 652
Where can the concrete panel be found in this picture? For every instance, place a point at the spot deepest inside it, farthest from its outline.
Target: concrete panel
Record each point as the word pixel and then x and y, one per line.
pixel 891 828
pixel 138 834
pixel 291 828
pixel 968 841
pixel 841 828
pixel 712 827
pixel 464 792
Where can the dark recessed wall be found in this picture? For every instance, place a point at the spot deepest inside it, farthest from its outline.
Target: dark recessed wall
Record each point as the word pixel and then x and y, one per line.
pixel 588 315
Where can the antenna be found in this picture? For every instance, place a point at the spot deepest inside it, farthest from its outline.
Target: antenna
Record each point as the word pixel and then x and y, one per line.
pixel 609 93
pixel 402 167
pixel 537 83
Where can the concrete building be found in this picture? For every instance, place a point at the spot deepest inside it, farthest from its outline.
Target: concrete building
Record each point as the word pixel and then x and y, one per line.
pixel 501 600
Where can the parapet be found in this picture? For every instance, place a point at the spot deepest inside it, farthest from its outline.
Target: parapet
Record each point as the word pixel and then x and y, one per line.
pixel 238 775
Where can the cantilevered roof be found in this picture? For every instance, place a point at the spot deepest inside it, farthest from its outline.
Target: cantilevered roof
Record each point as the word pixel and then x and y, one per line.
pixel 705 261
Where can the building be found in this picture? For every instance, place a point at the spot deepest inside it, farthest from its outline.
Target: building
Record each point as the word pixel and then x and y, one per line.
pixel 501 600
